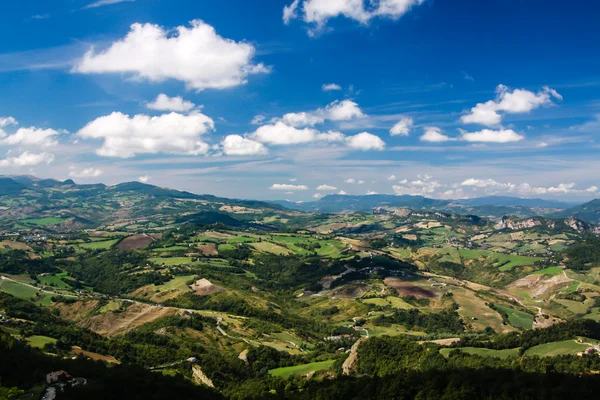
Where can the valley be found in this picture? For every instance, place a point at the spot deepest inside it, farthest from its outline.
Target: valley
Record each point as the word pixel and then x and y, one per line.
pixel 233 295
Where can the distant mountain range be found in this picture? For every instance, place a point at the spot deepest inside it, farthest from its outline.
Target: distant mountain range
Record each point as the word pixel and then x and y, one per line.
pixel 25 197
pixel 491 206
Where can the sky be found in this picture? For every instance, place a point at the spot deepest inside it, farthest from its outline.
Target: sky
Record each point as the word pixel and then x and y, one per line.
pixel 298 99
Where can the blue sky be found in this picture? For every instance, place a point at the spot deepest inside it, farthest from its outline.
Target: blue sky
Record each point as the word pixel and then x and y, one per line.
pixel 274 99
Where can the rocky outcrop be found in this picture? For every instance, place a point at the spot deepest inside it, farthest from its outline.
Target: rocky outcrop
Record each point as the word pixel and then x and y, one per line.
pixel 349 365
pixel 507 223
pixel 200 377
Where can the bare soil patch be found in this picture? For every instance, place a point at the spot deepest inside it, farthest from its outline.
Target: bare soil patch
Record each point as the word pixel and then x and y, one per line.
pixel 405 288
pixel 7 244
pixel 94 356
pixel 208 249
pixel 135 242
pixel 204 287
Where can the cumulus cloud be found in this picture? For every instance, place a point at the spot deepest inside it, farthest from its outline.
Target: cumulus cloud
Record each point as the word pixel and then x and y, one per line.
pixel 402 127
pixel 287 187
pixel 302 119
pixel 125 136
pixel 391 178
pixel 491 136
pixel 318 195
pixel 326 188
pixel 280 133
pixel 419 187
pixel 196 55
pixel 166 103
pixel 328 87
pixel 5 121
pixel 27 159
pixel 350 181
pixel 493 186
pixel 434 135
pixel 366 141
pixel 341 192
pixel 518 101
pixel 144 178
pixel 32 136
pixel 236 145
pixel 342 111
pixel 370 192
pixel 318 12
pixel 85 173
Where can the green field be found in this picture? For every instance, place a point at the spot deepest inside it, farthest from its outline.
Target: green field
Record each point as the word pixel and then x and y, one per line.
pixel 104 244
pixel 40 341
pixel 549 271
pixel 483 352
pixel 44 221
pixel 26 292
pixel 504 262
pixel 556 349
pixel 301 369
pixel 518 319
pixel 55 280
pixel 269 247
pixel 172 248
pixel 170 261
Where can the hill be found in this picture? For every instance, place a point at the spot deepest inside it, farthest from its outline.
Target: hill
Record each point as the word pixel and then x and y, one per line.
pixel 49 205
pixel 494 206
pixel 589 212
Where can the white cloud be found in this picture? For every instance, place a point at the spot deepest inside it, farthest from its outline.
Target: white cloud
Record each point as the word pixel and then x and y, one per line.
pixel 144 178
pixel 341 192
pixel 318 12
pixel 290 12
pixel 489 183
pixel 391 178
pixel 328 87
pixel 101 3
pixel 258 119
pixel 517 101
pixel 360 182
pixel 292 179
pixel 318 195
pixel 343 111
pixel 402 127
pixel 126 136
pixel 196 55
pixel 350 180
pixel 418 187
pixel 5 121
pixel 302 119
pixel 279 133
pixel 287 187
pixel 434 135
pixel 27 159
pixel 331 136
pixel 32 136
pixel 366 141
pixel 85 173
pixel 166 103
pixel 326 188
pixel 491 136
pixel 525 189
pixel 236 145
pixel 370 192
